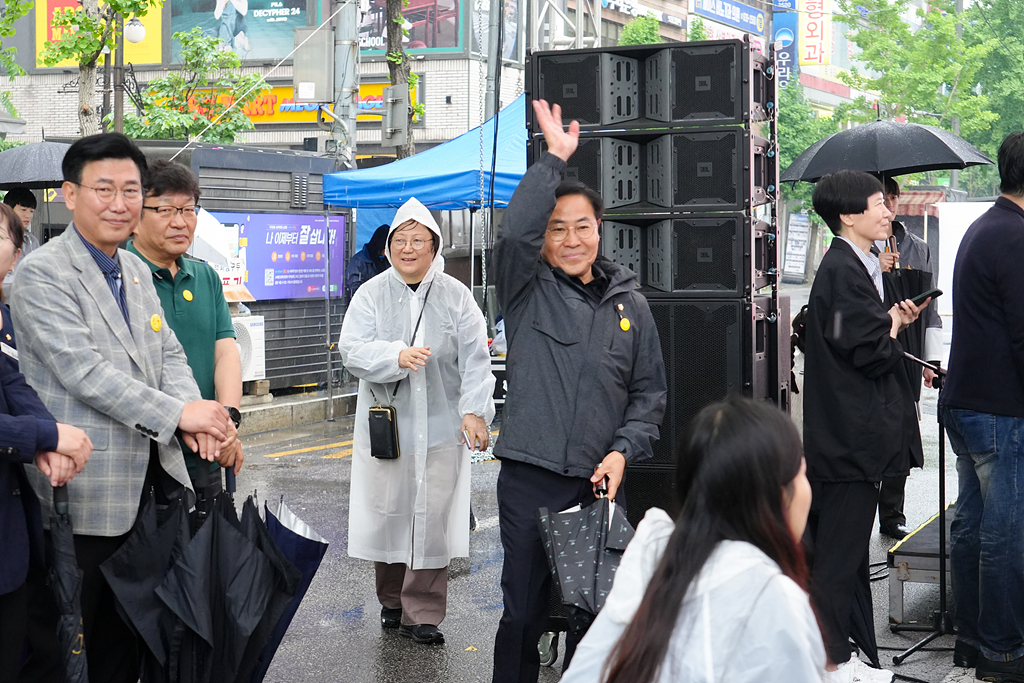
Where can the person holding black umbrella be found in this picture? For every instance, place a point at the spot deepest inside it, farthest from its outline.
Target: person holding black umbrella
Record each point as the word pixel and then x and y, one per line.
pixel 855 413
pixel 98 352
pixel 29 434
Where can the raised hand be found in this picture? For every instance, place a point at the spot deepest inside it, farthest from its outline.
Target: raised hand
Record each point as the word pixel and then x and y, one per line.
pixel 560 142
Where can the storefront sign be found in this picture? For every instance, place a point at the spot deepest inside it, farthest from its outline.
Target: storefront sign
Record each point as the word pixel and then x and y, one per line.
pixel 278 105
pixel 149 51
pixel 798 238
pixel 785 26
pixel 731 13
pixel 635 9
pixel 815 32
pixel 718 31
pixel 283 256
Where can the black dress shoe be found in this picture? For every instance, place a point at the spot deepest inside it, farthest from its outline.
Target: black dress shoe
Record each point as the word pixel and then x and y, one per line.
pixel 1000 672
pixel 897 531
pixel 965 655
pixel 390 618
pixel 422 633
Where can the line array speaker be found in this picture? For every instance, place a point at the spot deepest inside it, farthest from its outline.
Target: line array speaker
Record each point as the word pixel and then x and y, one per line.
pixel 700 83
pixel 710 169
pixel 689 256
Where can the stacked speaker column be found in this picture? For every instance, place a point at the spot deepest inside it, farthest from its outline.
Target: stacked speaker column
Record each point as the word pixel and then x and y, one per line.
pixel 680 141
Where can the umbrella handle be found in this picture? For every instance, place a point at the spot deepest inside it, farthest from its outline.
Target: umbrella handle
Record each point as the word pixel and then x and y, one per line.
pixel 60 499
pixel 229 479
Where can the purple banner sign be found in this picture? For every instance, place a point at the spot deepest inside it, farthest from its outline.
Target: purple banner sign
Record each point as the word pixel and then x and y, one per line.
pixel 283 256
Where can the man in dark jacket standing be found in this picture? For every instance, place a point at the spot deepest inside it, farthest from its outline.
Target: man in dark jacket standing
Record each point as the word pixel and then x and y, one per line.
pixel 982 407
pixel 856 418
pixel 585 374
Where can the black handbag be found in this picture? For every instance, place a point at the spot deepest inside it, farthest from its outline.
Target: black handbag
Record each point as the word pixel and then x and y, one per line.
pixel 384 419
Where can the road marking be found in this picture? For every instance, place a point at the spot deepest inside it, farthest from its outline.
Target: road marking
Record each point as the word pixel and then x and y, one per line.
pixel 308 450
pixel 344 453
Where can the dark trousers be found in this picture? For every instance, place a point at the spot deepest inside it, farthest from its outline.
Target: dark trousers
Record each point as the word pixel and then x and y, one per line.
pixel 838 532
pixel 110 645
pixel 37 626
pixel 525 575
pixel 890 502
pixel 13 609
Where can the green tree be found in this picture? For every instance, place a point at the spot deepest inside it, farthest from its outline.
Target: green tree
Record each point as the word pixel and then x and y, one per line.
pixel 398 64
pixel 798 129
pixel 641 31
pixel 83 32
pixel 697 30
pixel 928 75
pixel 183 104
pixel 9 13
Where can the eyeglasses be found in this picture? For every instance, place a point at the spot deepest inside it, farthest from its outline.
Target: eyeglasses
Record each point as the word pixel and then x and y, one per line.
pixel 417 244
pixel 559 234
pixel 169 211
pixel 106 193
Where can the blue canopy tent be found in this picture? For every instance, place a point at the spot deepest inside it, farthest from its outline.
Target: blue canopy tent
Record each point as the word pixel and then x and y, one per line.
pixel 446 177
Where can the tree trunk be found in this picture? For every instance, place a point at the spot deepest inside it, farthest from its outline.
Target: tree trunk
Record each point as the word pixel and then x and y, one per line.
pixel 398 64
pixel 88 119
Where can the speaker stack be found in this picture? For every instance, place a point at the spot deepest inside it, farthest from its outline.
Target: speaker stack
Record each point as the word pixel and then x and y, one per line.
pixel 680 141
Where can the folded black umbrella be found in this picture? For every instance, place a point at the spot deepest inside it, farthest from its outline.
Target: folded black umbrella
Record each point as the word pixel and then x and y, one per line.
pixel 584 547
pixel 65 579
pixel 305 549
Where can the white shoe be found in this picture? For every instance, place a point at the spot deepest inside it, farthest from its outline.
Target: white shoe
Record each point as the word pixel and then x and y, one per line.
pixel 856 671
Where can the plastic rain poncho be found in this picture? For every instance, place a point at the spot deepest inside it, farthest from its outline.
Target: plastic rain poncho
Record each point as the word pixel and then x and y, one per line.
pixel 415 509
pixel 742 621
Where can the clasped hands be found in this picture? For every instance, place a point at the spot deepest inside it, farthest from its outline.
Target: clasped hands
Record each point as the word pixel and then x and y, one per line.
pixel 207 429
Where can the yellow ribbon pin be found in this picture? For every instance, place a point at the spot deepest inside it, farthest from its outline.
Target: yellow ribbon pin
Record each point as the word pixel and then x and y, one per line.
pixel 156 323
pixel 187 294
pixel 624 324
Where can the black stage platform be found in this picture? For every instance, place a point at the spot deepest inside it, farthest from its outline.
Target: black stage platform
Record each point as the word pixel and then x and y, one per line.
pixel 916 558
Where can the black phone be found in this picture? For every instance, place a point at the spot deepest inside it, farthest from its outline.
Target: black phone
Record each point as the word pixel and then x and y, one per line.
pixel 920 298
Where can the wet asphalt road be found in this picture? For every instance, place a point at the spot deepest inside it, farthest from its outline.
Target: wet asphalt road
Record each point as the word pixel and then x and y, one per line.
pixel 336 636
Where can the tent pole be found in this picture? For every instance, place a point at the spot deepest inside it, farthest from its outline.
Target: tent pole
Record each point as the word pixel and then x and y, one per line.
pixel 472 255
pixel 327 302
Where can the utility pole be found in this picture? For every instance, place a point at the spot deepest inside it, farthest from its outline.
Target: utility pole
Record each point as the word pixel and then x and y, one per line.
pixel 346 78
pixel 493 57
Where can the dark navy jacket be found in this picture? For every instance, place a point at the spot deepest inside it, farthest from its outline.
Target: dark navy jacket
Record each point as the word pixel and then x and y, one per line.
pixel 26 426
pixel 986 359
pixel 579 385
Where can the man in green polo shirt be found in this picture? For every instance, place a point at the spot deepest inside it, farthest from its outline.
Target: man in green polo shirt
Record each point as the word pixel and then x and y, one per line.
pixel 193 301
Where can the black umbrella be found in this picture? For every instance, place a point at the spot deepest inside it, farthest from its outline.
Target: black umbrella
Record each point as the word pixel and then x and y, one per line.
pixel 134 572
pixel 34 166
pixel 884 148
pixel 65 578
pixel 584 547
pixel 304 549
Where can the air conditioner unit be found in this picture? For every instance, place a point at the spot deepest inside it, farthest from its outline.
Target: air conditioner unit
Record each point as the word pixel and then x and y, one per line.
pixel 249 337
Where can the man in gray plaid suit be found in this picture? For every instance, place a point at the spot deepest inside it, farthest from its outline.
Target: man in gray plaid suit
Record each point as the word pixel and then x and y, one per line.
pixel 96 349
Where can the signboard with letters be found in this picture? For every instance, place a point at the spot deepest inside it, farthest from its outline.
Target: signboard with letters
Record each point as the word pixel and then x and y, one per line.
pixel 149 51
pixel 732 13
pixel 283 256
pixel 784 24
pixel 253 29
pixel 794 268
pixel 815 32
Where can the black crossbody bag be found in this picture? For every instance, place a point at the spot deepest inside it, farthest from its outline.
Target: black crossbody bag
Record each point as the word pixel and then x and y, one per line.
pixel 384 419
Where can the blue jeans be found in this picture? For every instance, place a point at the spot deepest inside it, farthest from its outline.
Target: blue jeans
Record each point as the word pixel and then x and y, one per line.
pixel 987 533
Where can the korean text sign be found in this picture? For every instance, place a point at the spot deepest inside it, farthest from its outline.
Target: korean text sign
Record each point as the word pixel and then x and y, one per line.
pixel 815 32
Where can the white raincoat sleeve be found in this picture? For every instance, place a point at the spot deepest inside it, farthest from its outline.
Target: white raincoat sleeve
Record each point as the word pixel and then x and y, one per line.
pixel 475 363
pixel 363 354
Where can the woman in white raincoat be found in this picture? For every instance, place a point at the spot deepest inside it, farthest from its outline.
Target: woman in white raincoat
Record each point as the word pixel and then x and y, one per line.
pixel 410 515
pixel 719 595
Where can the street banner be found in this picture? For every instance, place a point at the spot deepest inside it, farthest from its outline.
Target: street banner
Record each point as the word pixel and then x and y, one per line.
pixel 815 32
pixel 283 256
pixel 785 26
pixel 149 51
pixel 253 29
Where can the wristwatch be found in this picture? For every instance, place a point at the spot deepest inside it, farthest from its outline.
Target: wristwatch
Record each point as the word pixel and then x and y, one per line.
pixel 235 415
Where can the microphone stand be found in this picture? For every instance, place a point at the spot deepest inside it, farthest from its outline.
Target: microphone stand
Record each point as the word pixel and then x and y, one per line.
pixel 941 624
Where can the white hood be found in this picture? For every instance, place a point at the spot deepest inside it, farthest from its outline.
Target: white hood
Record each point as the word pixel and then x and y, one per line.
pixel 414 210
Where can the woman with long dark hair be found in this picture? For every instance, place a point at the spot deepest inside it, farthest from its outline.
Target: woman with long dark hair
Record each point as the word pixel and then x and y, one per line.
pixel 719 594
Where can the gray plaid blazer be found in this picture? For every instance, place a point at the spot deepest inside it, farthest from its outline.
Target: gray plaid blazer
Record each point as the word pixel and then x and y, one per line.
pixel 122 386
